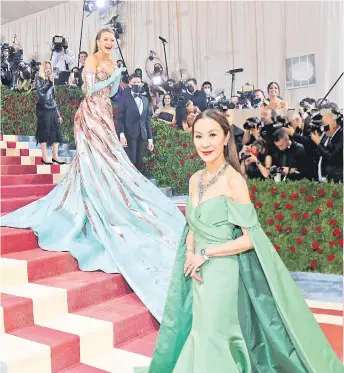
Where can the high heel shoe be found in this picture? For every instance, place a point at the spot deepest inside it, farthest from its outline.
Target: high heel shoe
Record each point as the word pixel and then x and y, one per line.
pixel 46 163
pixel 55 161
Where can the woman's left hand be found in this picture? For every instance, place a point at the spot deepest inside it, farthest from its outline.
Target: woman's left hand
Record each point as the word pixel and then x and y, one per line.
pixel 60 120
pixel 193 265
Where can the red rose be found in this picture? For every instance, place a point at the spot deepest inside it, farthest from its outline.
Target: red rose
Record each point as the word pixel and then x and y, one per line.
pixel 332 222
pixel 268 233
pixel 304 230
pixel 335 193
pixel 254 189
pixel 331 257
pixel 288 230
pixel 252 197
pixel 271 221
pixel 310 198
pixel 277 206
pixel 303 190
pixel 181 183
pixel 179 152
pixel 332 243
pixel 258 205
pixel 314 264
pixel 318 229
pixel 294 196
pixel 329 204
pixel 283 194
pixel 299 240
pixel 276 247
pixel 168 145
pixel 305 215
pixel 279 228
pixel 164 137
pixel 318 211
pixel 320 251
pixel 289 206
pixel 188 176
pixel 185 146
pixel 315 245
pixel 337 232
pixel 152 164
pixel 273 190
pixel 295 215
pixel 321 193
pixel 340 241
pixel 279 216
pixel 179 142
pixel 177 134
pixel 175 177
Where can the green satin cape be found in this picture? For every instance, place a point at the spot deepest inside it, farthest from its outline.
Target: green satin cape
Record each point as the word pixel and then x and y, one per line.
pixel 273 312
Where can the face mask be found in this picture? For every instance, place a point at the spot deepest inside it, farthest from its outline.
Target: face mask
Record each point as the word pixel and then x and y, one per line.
pixel 326 128
pixel 157 69
pixel 207 91
pixel 136 88
pixel 191 88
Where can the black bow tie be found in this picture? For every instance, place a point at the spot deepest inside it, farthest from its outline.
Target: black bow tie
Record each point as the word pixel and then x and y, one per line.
pixel 137 95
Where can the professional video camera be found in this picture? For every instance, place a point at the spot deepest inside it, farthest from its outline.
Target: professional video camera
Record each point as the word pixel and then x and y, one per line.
pixel 221 102
pixel 251 123
pixel 59 43
pixel 246 94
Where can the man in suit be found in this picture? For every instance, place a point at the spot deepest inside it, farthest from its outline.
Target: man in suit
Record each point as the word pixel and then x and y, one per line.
pixel 134 122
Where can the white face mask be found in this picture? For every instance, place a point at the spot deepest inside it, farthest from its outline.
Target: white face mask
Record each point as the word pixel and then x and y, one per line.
pixel 207 91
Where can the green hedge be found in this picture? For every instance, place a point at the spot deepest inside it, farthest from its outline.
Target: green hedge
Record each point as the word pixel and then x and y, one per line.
pixel 304 220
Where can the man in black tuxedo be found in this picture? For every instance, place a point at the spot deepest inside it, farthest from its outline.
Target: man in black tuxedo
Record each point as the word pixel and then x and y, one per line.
pixel 134 122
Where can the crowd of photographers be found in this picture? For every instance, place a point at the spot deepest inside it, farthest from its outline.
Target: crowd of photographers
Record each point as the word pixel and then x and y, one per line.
pixel 306 143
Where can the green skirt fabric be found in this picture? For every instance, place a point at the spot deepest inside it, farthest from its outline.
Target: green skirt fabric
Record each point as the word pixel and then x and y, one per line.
pixel 247 316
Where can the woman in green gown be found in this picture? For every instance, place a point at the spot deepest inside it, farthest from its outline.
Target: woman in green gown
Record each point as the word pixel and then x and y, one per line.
pixel 232 305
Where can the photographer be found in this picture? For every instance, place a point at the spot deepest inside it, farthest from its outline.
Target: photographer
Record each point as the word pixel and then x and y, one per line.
pixel 62 59
pixel 6 72
pixel 255 163
pixel 74 78
pixel 288 157
pixel 48 116
pixel 326 147
pixel 197 96
pixel 208 89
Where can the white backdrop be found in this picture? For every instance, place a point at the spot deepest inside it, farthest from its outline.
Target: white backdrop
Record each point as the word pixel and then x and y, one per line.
pixel 207 38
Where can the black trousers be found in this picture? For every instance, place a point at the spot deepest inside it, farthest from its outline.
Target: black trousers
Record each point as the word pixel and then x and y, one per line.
pixel 135 152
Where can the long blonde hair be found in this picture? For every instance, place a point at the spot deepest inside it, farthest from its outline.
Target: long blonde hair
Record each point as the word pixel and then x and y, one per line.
pixel 98 36
pixel 42 70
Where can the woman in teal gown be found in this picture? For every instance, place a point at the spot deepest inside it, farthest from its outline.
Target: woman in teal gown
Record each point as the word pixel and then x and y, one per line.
pixel 105 212
pixel 232 305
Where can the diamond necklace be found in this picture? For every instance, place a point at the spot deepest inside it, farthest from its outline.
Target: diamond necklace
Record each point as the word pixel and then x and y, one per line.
pixel 203 187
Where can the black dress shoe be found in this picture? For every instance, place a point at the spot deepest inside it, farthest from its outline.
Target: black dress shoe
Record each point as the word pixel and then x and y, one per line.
pixel 45 163
pixel 55 161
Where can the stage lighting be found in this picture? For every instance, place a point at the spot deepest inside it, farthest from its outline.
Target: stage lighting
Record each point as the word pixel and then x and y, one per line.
pixel 100 3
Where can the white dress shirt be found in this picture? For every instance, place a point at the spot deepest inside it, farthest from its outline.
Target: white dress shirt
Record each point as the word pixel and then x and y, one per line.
pixel 59 60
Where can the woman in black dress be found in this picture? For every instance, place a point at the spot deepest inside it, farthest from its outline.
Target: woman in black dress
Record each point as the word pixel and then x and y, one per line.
pixel 48 116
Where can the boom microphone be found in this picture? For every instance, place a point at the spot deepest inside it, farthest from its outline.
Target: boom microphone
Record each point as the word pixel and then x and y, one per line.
pixel 234 71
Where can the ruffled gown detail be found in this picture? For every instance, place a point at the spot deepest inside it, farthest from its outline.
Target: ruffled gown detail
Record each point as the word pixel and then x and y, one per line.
pixel 104 211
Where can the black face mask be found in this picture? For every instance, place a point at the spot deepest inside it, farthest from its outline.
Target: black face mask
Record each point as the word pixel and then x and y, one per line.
pixel 139 74
pixel 326 128
pixel 136 88
pixel 191 88
pixel 157 70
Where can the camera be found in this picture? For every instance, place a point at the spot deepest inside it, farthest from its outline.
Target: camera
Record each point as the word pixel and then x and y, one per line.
pixel 267 130
pixel 276 170
pixel 59 43
pixel 251 123
pixel 221 103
